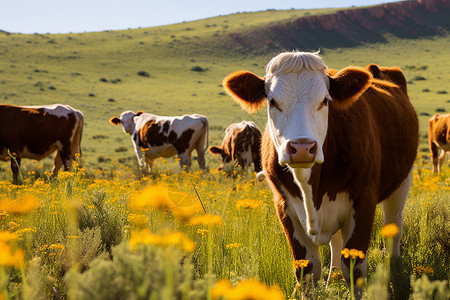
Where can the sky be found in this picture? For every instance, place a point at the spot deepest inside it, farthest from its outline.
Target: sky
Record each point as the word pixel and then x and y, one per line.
pixel 73 16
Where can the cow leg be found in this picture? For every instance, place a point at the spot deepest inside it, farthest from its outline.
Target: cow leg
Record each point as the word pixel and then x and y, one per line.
pixel 57 164
pixel 434 154
pixel 356 234
pixel 393 210
pixel 148 164
pixel 335 247
pixel 15 168
pixel 441 159
pixel 185 160
pixel 201 157
pixel 301 245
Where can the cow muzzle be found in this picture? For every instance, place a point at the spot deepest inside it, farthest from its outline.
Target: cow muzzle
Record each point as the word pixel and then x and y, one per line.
pixel 302 150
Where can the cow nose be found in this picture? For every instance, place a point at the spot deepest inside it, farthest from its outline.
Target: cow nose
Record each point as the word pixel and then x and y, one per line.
pixel 302 150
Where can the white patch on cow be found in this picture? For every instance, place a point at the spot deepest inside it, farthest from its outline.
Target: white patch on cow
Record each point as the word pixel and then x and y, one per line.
pixel 298 83
pixel 59 110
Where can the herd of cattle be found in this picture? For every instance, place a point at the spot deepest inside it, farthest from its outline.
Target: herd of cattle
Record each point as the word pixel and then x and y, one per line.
pixel 337 143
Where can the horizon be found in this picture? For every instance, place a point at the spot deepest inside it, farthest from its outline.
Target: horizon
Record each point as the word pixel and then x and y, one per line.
pixel 60 17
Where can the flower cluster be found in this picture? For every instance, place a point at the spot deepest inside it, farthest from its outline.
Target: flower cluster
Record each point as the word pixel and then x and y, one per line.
pixel 206 220
pixel 353 253
pixel 301 263
pixel 234 245
pixel 423 270
pixel 248 204
pixel 390 230
pixel 249 289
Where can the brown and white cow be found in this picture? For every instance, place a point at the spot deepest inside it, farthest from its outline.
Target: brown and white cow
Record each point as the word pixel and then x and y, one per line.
pixel 439 138
pixel 159 136
pixel 35 132
pixel 241 144
pixel 336 144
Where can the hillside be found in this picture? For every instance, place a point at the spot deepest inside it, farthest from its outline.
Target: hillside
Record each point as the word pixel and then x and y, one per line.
pixel 350 27
pixel 178 69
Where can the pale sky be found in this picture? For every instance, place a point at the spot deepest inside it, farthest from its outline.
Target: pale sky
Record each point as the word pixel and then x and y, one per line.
pixel 64 16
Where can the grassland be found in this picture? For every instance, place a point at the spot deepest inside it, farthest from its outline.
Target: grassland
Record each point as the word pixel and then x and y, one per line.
pixel 68 68
pixel 76 234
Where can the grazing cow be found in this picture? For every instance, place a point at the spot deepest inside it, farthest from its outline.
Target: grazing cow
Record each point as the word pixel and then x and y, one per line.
pixel 336 144
pixel 241 145
pixel 439 137
pixel 35 132
pixel 158 136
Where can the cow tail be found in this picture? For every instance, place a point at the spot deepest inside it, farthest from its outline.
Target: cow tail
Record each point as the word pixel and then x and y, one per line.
pixel 80 132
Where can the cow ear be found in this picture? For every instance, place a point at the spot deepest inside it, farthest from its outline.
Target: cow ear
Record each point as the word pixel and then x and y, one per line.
pixel 115 121
pixel 139 113
pixel 215 150
pixel 347 85
pixel 247 89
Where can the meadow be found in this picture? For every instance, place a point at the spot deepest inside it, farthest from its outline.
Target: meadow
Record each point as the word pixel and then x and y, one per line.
pixel 106 230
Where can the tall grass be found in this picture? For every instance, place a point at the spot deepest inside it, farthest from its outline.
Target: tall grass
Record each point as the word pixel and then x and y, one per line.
pixel 83 238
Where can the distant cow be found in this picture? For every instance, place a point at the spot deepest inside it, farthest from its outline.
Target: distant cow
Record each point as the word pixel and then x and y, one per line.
pixel 336 144
pixel 439 138
pixel 35 132
pixel 158 136
pixel 241 145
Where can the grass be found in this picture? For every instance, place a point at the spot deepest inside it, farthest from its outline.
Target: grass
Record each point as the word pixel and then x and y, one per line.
pixel 77 235
pixel 75 242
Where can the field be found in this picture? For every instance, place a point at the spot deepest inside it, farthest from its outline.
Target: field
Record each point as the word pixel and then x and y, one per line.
pixel 91 233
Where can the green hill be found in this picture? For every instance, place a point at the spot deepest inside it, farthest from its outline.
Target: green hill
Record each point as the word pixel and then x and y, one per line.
pixel 181 66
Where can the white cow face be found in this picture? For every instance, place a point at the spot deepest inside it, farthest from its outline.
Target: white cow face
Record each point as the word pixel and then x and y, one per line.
pixel 127 120
pixel 298 116
pixel 298 89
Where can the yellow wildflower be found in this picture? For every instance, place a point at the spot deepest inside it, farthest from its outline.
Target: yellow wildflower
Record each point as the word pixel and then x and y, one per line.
pixel 73 237
pixel 235 245
pixel 202 231
pixel 301 263
pixel 423 270
pixel 8 257
pixel 249 289
pixel 154 196
pixel 248 204
pixel 354 253
pixel 21 205
pixel 390 230
pixel 207 220
pixel 6 236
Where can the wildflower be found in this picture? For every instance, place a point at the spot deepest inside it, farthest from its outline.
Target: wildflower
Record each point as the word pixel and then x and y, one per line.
pixel 360 282
pixel 202 231
pixel 154 196
pixel 301 263
pixel 248 204
pixel 73 237
pixel 232 246
pixel 423 270
pixel 249 289
pixel 6 236
pixel 390 230
pixel 207 220
pixel 8 257
pixel 353 253
pixel 21 205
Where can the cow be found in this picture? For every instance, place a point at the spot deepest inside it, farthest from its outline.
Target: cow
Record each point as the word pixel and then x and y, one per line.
pixel 439 138
pixel 336 143
pixel 35 132
pixel 156 136
pixel 241 144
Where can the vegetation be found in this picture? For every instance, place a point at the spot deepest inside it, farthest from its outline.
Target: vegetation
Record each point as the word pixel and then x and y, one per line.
pixel 91 233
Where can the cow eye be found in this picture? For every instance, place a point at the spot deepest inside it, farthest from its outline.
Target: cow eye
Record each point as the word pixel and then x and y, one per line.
pixel 274 104
pixel 325 101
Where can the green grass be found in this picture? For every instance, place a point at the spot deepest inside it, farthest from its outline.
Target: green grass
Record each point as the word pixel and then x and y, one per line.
pixel 74 64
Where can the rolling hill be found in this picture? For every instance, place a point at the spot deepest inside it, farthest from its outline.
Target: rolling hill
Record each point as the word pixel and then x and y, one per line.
pixel 178 69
